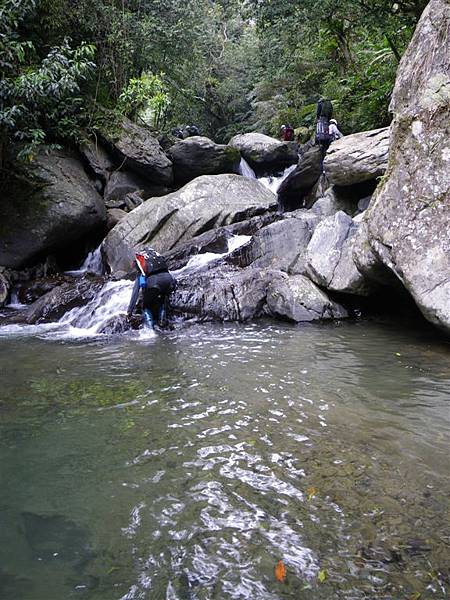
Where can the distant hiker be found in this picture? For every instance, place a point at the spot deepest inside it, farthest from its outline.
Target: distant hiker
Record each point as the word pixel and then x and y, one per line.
pixel 282 130
pixel 289 133
pixel 178 133
pixel 191 130
pixel 156 283
pixel 333 130
pixel 323 137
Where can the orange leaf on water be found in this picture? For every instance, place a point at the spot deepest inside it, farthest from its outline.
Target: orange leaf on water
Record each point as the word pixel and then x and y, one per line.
pixel 280 571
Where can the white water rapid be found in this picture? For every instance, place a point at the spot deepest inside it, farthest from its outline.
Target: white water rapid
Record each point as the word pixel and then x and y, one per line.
pixel 93 263
pixel 273 183
pixel 245 169
pixel 111 301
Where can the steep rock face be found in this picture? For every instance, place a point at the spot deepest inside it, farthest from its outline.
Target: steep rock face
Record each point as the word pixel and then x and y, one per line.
pixel 199 155
pixel 52 206
pixel 409 219
pixel 97 161
pixel 207 202
pixel 357 158
pixel 281 245
pixel 294 189
pixel 297 298
pixel 263 153
pixel 137 149
pixel 329 256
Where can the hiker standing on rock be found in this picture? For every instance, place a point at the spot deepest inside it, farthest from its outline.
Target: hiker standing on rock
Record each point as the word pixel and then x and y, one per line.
pixel 334 132
pixel 323 137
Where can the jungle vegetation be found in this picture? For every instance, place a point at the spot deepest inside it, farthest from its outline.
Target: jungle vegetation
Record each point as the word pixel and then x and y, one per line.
pixel 228 66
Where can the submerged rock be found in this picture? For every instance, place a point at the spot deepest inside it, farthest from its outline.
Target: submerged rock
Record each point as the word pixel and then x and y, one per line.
pixel 408 222
pixel 263 153
pixel 52 205
pixel 199 155
pixel 208 202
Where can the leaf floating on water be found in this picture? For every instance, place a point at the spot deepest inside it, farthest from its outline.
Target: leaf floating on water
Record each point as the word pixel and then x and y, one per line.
pixel 312 491
pixel 322 576
pixel 280 571
pixel 397 354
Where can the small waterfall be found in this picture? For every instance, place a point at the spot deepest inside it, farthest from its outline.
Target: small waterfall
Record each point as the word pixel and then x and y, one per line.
pixel 273 183
pixel 197 262
pixel 93 263
pixel 245 169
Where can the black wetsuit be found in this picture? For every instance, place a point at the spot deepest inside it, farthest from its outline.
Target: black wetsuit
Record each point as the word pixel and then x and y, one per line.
pixel 156 289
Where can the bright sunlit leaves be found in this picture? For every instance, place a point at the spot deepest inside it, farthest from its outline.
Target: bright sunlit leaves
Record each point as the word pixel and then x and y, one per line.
pixel 280 571
pixel 321 577
pixel 312 491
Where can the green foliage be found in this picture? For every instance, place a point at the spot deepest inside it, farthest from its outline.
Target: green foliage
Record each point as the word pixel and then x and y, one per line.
pixel 40 100
pixel 146 97
pixel 227 66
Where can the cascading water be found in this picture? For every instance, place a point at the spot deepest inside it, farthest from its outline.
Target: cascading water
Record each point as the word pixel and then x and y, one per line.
pixel 111 301
pixel 245 169
pixel 273 183
pixel 93 263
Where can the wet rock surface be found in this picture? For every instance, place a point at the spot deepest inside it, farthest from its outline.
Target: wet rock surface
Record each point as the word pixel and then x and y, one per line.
pixel 63 298
pixel 206 203
pixel 297 185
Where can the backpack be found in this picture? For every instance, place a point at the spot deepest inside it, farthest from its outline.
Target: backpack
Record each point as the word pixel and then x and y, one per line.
pixel 154 262
pixel 326 109
pixel 322 130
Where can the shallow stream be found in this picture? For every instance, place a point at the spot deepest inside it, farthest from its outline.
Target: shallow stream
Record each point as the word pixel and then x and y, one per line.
pixel 187 465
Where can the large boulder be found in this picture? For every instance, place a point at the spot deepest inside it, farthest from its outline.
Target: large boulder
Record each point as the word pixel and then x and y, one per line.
pixel 137 149
pixel 280 245
pixel 63 298
pixel 226 293
pixel 50 206
pixel 199 155
pixel 329 256
pixel 297 299
pixel 409 219
pixel 357 158
pixel 263 153
pixel 297 185
pixel 207 202
pixel 122 183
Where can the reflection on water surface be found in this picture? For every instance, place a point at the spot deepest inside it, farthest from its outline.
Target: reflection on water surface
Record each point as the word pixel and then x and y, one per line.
pixel 187 465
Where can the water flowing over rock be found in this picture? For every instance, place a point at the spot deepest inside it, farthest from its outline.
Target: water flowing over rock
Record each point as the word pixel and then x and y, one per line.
pixel 298 299
pixel 294 189
pixel 408 222
pixel 137 149
pixel 208 202
pixel 61 299
pixel 199 155
pixel 357 158
pixel 263 153
pixel 52 205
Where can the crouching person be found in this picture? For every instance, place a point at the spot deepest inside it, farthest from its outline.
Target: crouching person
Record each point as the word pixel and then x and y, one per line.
pixel 156 284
